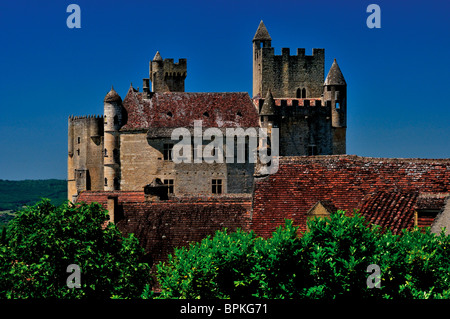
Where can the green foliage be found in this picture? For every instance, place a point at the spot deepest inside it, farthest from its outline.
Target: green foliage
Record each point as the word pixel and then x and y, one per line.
pixel 42 240
pixel 16 194
pixel 329 261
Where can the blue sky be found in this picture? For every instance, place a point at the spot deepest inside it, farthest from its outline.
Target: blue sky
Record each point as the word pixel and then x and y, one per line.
pixel 397 76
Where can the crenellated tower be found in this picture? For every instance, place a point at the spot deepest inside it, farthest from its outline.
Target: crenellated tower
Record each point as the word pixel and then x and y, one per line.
pixel 85 160
pixel 286 75
pixel 166 75
pixel 291 94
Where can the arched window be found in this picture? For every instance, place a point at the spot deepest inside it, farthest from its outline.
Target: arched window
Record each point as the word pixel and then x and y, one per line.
pixel 105 152
pixel 299 93
pixel 304 93
pixel 106 181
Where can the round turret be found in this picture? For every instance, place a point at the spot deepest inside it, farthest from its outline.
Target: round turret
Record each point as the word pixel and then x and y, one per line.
pixel 112 96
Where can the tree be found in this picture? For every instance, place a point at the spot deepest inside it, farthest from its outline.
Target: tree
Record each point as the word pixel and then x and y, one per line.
pixel 330 261
pixel 43 240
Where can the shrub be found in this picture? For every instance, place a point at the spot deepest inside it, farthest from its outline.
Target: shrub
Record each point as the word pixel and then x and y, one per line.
pixel 43 240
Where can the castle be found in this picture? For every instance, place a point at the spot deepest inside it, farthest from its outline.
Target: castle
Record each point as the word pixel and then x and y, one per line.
pixel 123 159
pixel 130 145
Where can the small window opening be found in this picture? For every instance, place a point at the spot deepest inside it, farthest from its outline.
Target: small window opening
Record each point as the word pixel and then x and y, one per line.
pixel 106 181
pixel 169 183
pixel 79 140
pixel 217 186
pixel 169 114
pixel 167 151
pixel 206 114
pixel 312 150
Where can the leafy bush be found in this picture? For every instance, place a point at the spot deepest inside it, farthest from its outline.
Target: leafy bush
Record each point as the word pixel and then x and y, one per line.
pixel 42 240
pixel 328 261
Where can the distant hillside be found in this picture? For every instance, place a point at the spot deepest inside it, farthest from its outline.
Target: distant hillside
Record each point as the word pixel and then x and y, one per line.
pixel 16 194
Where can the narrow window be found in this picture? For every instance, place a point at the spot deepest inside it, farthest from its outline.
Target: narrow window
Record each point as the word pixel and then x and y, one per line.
pixel 78 152
pixel 79 140
pixel 217 186
pixel 304 93
pixel 312 150
pixel 337 105
pixel 106 181
pixel 169 183
pixel 105 153
pixel 299 94
pixel 167 151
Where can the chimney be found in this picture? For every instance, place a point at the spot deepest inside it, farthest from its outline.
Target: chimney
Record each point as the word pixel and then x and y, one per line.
pixel 156 191
pixel 112 207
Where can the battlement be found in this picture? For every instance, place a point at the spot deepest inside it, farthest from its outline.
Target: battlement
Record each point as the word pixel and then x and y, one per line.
pixel 301 52
pixel 171 68
pixel 292 103
pixel 167 75
pixel 83 117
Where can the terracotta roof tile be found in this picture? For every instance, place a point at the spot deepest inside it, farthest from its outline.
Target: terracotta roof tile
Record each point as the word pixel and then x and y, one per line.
pixel 345 181
pixel 180 109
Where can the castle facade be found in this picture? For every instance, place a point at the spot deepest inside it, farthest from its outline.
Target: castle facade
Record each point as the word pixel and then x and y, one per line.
pixel 124 158
pixel 129 146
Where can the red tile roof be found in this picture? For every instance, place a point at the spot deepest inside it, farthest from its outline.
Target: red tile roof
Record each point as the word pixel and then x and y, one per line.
pixel 180 109
pixel 390 210
pixel 162 226
pixel 345 181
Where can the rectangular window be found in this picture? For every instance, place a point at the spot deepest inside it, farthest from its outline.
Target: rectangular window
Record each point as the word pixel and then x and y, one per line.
pixel 79 140
pixel 167 152
pixel 169 182
pixel 312 150
pixel 217 186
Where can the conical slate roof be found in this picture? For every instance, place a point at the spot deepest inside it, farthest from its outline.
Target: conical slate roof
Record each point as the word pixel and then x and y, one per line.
pixel 268 107
pixel 262 33
pixel 335 76
pixel 112 96
pixel 157 57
